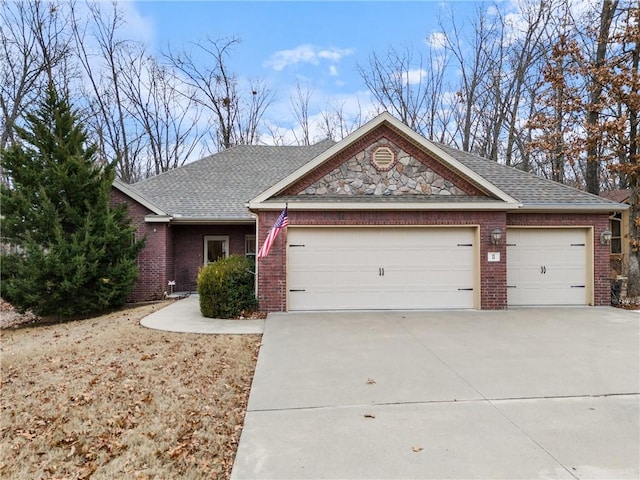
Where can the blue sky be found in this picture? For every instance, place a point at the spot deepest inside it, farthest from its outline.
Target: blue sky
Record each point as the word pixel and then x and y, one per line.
pixel 316 43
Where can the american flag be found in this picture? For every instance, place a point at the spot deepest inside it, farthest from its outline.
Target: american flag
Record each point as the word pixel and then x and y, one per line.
pixel 281 223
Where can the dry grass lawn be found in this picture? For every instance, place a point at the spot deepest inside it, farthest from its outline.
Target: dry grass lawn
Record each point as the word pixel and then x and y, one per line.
pixel 106 398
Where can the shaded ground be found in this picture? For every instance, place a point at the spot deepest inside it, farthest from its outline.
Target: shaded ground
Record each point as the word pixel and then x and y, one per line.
pixel 107 398
pixel 10 318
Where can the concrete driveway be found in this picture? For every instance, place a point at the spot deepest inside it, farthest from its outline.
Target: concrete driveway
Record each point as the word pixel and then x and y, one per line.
pixel 530 393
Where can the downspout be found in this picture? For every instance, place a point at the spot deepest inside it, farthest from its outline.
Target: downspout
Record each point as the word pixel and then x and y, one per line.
pixel 255 277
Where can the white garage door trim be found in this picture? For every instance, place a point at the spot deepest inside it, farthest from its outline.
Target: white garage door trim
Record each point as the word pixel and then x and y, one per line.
pixel 549 266
pixel 382 267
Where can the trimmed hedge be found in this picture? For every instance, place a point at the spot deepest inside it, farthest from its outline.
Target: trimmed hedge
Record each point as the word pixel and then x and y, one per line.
pixel 226 287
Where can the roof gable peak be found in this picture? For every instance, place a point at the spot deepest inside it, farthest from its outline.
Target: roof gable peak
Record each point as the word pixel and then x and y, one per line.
pixel 361 140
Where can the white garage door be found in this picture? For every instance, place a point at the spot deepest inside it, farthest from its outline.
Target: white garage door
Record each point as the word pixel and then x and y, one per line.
pixel 380 268
pixel 547 267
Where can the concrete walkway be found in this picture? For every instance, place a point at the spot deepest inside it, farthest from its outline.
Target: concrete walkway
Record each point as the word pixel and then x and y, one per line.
pixel 184 316
pixel 522 394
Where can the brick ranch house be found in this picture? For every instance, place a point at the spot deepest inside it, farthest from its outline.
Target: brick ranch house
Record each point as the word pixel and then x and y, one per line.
pixel 383 219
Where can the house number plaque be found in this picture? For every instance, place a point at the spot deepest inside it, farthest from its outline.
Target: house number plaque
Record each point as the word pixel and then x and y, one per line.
pixel 493 256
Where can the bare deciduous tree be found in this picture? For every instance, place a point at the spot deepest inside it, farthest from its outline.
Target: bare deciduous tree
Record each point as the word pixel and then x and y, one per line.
pixel 473 68
pixel 237 120
pixel 35 48
pixel 300 101
pixel 168 116
pixel 594 106
pixel 337 123
pixel 118 138
pixel 250 110
pixel 400 84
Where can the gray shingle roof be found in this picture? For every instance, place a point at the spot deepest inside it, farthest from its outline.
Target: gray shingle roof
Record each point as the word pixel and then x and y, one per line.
pixel 528 189
pixel 219 186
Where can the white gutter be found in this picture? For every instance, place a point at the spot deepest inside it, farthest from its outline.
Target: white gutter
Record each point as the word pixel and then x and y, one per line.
pixel 580 208
pixel 157 218
pixel 255 277
pixel 338 205
pixel 179 219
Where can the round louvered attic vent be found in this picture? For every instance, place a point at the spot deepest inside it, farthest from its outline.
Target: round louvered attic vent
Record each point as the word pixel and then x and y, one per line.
pixel 383 158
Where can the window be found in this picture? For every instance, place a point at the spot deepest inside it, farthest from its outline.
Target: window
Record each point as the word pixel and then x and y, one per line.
pixel 615 224
pixel 215 248
pixel 250 246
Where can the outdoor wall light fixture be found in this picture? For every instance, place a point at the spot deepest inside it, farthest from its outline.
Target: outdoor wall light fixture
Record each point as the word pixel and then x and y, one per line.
pixel 605 237
pixel 496 235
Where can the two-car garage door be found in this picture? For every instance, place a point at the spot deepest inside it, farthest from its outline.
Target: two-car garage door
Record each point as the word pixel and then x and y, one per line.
pixel 366 268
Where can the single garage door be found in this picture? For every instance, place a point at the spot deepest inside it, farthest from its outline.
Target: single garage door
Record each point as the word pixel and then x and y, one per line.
pixel 380 268
pixel 547 267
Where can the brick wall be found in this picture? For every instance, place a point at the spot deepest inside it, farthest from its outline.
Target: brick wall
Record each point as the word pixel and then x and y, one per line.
pixel 493 275
pixel 272 269
pixel 599 222
pixel 153 260
pixel 174 252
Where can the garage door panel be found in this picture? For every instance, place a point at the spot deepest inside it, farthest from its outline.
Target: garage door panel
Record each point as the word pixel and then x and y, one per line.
pixel 380 268
pixel 547 267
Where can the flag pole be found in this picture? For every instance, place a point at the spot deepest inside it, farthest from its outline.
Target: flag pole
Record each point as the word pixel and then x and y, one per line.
pixel 281 223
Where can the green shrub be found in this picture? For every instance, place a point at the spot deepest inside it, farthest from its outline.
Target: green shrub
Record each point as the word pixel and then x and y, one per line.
pixel 226 287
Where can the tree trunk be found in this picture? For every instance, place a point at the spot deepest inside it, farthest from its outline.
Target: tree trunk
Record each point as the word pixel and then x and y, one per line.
pixel 634 216
pixel 594 107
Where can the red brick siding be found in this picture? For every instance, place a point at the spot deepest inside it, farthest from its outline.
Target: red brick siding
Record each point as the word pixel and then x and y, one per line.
pixel 188 249
pixel 171 258
pixel 272 269
pixel 154 258
pixel 493 275
pixel 599 222
pixel 363 143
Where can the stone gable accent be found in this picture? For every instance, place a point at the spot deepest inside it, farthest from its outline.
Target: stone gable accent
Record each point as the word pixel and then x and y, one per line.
pixel 384 135
pixel 359 176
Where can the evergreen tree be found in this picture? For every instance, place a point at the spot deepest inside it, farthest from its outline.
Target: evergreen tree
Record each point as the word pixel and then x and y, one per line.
pixel 74 253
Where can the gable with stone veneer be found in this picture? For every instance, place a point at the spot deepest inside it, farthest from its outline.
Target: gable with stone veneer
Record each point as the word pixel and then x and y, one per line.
pixel 359 176
pixel 352 173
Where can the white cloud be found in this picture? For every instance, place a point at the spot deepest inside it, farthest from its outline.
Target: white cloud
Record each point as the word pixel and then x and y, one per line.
pixel 493 11
pixel 334 55
pixel 437 40
pixel 305 54
pixel 138 26
pixel 333 70
pixel 516 27
pixel 413 76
